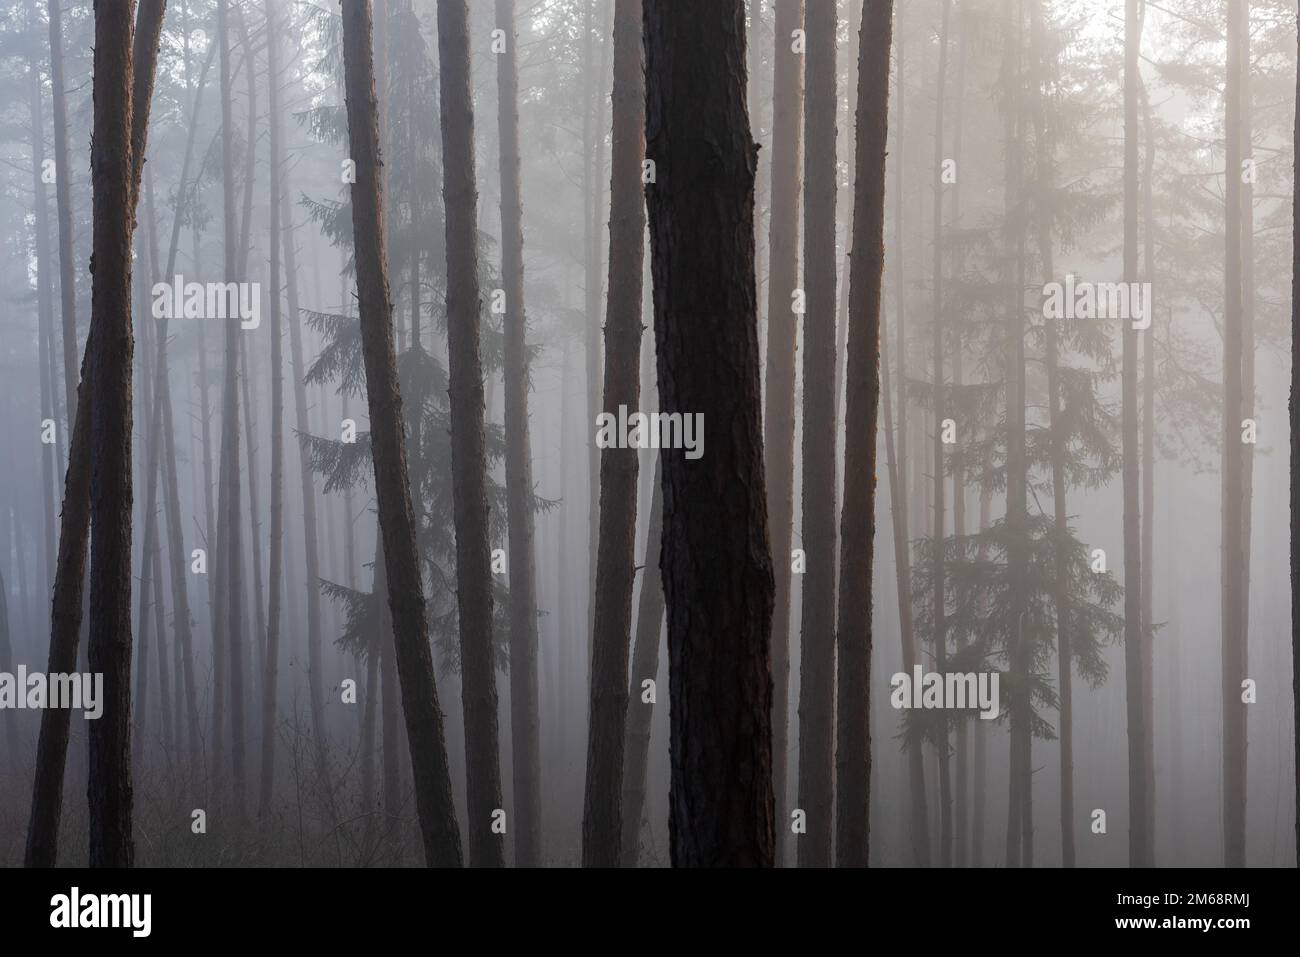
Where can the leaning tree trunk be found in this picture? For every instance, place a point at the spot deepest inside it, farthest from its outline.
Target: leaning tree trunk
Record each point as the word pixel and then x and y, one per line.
pixel 645 666
pixel 717 569
pixel 862 398
pixel 109 645
pixel 74 531
pixel 524 730
pixel 1234 652
pixel 782 332
pixel 468 462
pixel 615 565
pixel 392 488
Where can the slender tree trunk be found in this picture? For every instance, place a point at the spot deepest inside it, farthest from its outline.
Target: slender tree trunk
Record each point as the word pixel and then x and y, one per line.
pixel 861 415
pixel 396 514
pixel 940 626
pixel 109 649
pixel 1234 639
pixel 1149 467
pixel 616 559
pixel 74 532
pixel 525 749
pixel 1045 170
pixel 645 666
pixel 465 372
pixel 782 339
pixel 817 631
pixel 717 569
pixel 271 663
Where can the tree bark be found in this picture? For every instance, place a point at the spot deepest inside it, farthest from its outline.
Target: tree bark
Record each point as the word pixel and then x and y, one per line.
pixel 716 566
pixel 525 748
pixel 861 415
pixel 645 665
pixel 109 647
pixel 817 631
pixel 782 345
pixel 616 560
pixel 392 488
pixel 469 494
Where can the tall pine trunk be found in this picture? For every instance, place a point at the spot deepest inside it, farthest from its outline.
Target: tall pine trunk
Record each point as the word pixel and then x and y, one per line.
pixel 392 487
pixel 615 566
pixel 1234 648
pixel 861 411
pixel 525 748
pixel 717 570
pixel 817 631
pixel 468 462
pixel 782 338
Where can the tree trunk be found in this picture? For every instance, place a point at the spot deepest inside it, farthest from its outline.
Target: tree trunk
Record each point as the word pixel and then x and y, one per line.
pixel 645 666
pixel 861 414
pixel 392 488
pixel 469 494
pixel 1234 639
pixel 616 558
pixel 274 613
pixel 940 627
pixel 717 570
pixel 524 730
pixel 817 629
pixel 109 648
pixel 782 339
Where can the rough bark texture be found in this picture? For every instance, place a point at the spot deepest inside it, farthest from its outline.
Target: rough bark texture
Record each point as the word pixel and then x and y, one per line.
pixel 645 665
pixel 109 644
pixel 782 338
pixel 468 463
pixel 392 488
pixel 862 398
pixel 817 631
pixel 615 564
pixel 525 747
pixel 716 566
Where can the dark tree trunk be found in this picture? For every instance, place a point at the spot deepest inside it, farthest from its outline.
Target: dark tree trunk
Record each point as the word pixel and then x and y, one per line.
pixel 782 332
pixel 861 412
pixel 468 462
pixel 109 647
pixel 817 631
pixel 525 749
pixel 1234 658
pixel 645 665
pixel 717 570
pixel 392 488
pixel 616 558
pixel 74 532
pixel 7 665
